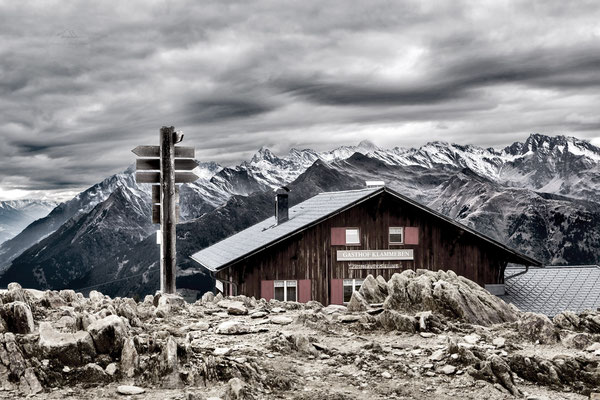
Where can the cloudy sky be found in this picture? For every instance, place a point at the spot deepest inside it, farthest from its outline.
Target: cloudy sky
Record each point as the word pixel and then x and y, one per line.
pixel 82 83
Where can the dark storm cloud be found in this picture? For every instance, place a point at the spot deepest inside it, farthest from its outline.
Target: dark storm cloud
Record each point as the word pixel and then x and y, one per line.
pixel 83 83
pixel 204 111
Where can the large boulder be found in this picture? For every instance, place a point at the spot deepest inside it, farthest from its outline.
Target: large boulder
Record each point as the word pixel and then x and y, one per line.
pixel 393 320
pixel 373 290
pixel 357 302
pixel 130 360
pixel 108 334
pixel 536 327
pixel 71 349
pixel 18 317
pixel 566 320
pixel 448 294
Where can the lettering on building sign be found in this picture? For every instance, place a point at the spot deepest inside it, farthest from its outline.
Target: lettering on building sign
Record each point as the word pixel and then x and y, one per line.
pixel 377 255
pixel 373 266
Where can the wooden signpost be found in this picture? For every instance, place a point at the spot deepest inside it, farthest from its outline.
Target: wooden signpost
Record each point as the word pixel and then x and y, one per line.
pixel 159 165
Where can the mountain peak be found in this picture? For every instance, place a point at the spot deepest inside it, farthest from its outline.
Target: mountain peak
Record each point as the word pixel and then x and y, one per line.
pixel 263 154
pixel 367 145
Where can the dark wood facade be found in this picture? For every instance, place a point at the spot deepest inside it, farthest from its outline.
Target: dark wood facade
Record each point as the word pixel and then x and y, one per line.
pixel 310 255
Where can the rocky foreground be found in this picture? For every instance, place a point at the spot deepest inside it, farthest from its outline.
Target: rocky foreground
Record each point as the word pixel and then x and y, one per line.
pixel 418 336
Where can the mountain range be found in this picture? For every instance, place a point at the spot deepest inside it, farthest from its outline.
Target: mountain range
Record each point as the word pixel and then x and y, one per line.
pixel 541 196
pixel 15 215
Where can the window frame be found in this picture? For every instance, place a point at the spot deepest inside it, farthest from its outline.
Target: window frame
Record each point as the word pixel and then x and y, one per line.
pixel 346 236
pixel 389 235
pixel 354 287
pixel 286 283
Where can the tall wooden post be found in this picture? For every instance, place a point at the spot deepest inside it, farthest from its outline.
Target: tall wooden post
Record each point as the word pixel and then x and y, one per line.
pixel 168 209
pixel 166 158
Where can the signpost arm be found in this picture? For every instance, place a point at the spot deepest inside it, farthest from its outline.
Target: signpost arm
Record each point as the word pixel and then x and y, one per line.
pixel 168 209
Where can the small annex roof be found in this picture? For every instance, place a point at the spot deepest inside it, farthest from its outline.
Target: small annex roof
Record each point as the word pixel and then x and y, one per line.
pixel 553 289
pixel 309 213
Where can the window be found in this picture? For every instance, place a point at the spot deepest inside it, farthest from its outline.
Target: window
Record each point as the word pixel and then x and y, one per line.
pixel 396 235
pixel 350 285
pixel 286 291
pixel 352 236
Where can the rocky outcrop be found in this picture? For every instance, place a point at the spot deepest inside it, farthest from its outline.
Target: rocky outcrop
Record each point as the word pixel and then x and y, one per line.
pixel 71 349
pixel 447 294
pixel 374 290
pixel 108 334
pixel 18 317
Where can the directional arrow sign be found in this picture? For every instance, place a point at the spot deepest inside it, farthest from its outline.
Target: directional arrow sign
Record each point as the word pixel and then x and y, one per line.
pixel 147 177
pixel 149 164
pixel 185 177
pixel 154 151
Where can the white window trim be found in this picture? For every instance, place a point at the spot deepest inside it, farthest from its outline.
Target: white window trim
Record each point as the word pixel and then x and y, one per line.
pixel 355 287
pixel 346 237
pixel 286 284
pixel 389 234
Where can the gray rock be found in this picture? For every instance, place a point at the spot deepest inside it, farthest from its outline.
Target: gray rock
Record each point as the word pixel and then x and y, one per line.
pixel 234 327
pixel 91 373
pixel 108 334
pixel 537 327
pixel 349 318
pixel 357 302
pixel 259 314
pixel 281 320
pixel 447 294
pixel 169 355
pixel 130 390
pixel 14 286
pixel 208 297
pixel 373 290
pixel 96 296
pixel 567 320
pixel 333 308
pixel 233 307
pixel 235 390
pixel 72 349
pixel 18 317
pixel 29 383
pixel 130 360
pixel 393 320
pixel 111 369
pixel 448 369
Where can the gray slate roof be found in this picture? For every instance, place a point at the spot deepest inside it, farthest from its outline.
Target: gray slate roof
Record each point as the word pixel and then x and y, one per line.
pixel 267 231
pixel 306 214
pixel 553 289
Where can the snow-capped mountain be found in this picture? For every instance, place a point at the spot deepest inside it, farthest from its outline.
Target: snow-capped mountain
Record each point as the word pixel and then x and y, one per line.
pixel 15 215
pixel 540 196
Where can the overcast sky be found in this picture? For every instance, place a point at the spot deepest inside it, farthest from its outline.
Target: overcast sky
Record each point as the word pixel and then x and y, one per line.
pixel 82 83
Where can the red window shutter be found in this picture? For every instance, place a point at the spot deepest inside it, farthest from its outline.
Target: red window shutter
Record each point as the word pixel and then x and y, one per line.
pixel 411 235
pixel 304 290
pixel 337 291
pixel 338 236
pixel 267 290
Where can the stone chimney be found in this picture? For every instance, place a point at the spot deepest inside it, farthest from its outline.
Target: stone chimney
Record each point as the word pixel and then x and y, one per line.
pixel 281 205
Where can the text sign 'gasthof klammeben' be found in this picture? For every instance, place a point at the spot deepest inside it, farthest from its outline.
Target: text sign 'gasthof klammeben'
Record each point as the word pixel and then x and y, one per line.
pixel 376 255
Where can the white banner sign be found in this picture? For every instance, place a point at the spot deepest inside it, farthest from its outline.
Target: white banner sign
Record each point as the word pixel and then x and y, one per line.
pixel 376 255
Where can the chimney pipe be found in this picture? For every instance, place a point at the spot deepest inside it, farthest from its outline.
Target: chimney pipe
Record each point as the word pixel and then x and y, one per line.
pixel 281 205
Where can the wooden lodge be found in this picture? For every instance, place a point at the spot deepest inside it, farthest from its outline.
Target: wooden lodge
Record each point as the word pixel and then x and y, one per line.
pixel 323 248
